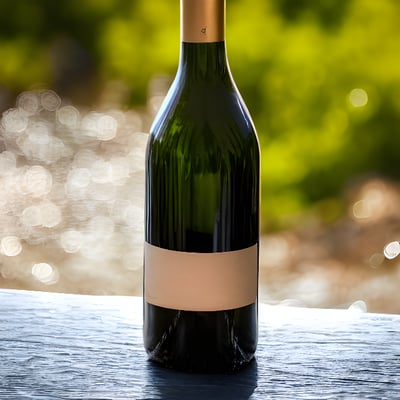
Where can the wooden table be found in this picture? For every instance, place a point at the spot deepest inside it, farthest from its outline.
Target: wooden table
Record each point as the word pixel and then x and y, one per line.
pixel 58 346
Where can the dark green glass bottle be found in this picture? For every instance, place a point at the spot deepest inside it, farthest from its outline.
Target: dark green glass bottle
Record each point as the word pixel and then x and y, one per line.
pixel 202 210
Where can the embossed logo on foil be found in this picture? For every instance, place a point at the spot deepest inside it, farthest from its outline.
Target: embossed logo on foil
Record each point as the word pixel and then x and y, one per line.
pixel 202 21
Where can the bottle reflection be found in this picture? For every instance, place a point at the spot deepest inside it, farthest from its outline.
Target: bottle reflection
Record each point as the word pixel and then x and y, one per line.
pixel 162 383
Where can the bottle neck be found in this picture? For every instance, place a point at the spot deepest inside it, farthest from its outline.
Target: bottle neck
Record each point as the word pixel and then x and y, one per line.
pixel 203 52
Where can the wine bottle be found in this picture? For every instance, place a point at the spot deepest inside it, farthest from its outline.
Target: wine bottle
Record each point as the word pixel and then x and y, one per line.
pixel 202 209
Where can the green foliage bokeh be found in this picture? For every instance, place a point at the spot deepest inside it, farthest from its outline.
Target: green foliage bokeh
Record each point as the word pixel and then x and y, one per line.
pixel 320 78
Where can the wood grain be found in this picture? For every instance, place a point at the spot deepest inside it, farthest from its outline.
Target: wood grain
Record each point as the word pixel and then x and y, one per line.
pixel 58 346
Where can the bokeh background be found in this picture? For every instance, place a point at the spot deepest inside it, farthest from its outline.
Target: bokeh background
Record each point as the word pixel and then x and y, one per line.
pixel 81 81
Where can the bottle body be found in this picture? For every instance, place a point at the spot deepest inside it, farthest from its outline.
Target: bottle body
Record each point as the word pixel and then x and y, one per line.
pixel 202 220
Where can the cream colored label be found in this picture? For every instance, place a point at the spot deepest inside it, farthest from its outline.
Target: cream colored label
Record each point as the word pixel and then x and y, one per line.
pixel 200 281
pixel 202 21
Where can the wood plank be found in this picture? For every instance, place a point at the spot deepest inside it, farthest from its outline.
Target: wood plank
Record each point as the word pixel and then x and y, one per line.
pixel 60 346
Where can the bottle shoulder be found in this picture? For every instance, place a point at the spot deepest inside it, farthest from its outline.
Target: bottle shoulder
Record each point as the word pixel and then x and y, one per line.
pixel 205 109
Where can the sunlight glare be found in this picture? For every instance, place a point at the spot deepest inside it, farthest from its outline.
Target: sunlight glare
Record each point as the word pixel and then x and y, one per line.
pixel 31 216
pixel 71 184
pixel 371 205
pixel 14 121
pixel 50 100
pixel 275 251
pixel 50 215
pixel 45 273
pixel 376 260
pixel 101 171
pixel 358 97
pixel 78 178
pixel 10 246
pixel 107 127
pixel 28 103
pixel 39 133
pixel 71 241
pixel 358 306
pixel 392 250
pixel 68 116
pixel 37 181
pixel 361 209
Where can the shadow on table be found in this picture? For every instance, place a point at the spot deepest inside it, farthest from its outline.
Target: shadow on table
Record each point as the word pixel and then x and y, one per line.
pixel 168 384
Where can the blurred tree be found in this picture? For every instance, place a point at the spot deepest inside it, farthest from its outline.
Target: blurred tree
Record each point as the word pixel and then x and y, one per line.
pixel 330 13
pixel 321 79
pixel 53 44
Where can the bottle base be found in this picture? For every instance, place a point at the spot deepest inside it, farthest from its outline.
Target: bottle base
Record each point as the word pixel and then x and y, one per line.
pixel 203 367
pixel 201 342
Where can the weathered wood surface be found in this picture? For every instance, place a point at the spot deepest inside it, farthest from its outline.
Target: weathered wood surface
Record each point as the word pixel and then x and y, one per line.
pixel 57 346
